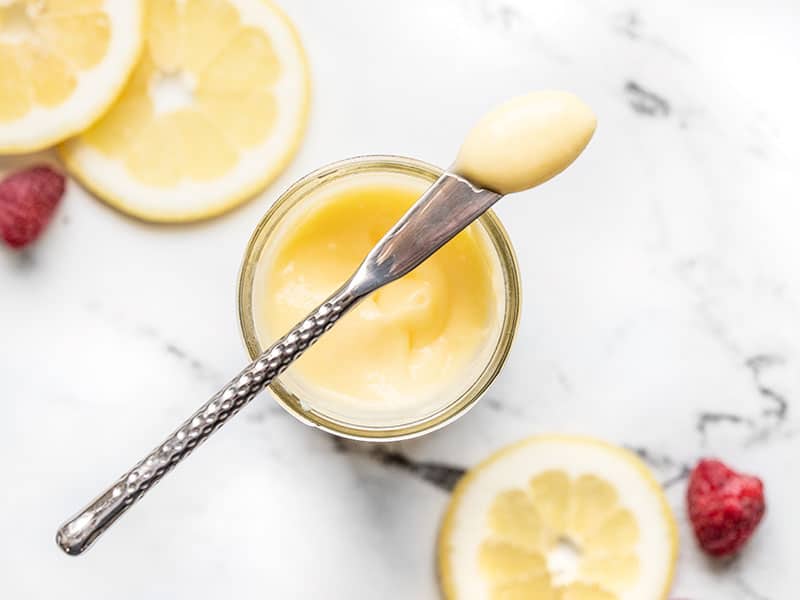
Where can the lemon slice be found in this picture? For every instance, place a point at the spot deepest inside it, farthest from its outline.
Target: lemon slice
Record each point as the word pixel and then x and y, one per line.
pixel 558 518
pixel 214 110
pixel 62 63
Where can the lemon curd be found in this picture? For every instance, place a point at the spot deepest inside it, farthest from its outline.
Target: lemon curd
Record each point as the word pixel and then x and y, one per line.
pixel 406 343
pixel 526 141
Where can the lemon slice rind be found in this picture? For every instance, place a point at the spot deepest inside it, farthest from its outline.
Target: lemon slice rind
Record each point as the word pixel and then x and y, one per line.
pixel 464 524
pixel 191 200
pixel 96 90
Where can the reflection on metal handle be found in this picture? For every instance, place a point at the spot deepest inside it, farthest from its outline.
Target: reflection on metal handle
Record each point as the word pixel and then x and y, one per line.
pixel 78 534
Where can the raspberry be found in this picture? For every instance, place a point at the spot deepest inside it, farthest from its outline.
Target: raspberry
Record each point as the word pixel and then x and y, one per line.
pixel 725 507
pixel 28 199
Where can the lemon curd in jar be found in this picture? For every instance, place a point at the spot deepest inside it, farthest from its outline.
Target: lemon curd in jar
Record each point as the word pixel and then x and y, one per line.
pixel 414 354
pixel 404 342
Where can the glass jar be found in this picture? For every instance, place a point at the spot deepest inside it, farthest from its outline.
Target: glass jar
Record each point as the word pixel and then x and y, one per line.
pixel 300 402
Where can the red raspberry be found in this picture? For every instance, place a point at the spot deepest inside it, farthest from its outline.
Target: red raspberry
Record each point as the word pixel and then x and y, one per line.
pixel 28 199
pixel 725 507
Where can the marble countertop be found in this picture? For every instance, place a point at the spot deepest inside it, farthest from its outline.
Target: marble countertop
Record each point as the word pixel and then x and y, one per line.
pixel 661 311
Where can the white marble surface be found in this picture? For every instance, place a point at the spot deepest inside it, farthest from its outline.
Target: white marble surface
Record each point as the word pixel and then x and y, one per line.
pixel 661 310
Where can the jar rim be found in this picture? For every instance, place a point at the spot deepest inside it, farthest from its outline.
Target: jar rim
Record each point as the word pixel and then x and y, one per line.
pixel 500 245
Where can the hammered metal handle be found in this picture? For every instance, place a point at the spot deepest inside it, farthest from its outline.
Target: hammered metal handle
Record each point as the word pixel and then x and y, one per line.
pixel 78 534
pixel 446 208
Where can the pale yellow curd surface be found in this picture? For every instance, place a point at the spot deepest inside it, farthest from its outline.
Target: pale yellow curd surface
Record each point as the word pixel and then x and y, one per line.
pixel 526 141
pixel 406 345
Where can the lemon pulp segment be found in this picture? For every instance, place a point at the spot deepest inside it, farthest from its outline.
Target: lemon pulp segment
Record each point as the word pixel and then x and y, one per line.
pixel 558 518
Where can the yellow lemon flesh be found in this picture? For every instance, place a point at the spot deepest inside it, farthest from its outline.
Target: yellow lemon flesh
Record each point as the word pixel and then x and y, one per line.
pixel 558 518
pixel 62 63
pixel 214 110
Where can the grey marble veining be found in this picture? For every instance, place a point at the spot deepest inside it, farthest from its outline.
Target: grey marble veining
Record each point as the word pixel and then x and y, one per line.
pixel 661 311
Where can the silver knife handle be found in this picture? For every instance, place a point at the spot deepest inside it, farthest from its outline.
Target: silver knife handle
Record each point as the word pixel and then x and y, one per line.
pixel 78 534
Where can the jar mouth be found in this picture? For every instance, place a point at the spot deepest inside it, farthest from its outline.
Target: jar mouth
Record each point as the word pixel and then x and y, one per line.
pixel 448 409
